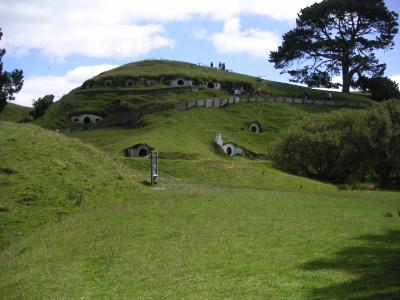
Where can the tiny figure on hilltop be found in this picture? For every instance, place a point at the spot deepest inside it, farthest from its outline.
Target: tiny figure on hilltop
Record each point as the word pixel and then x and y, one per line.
pixel 211 65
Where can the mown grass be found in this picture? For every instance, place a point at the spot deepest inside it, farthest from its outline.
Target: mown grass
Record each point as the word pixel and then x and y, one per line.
pixel 213 228
pixel 194 242
pixel 15 113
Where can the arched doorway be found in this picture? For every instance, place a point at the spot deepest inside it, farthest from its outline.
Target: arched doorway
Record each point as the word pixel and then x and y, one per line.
pixel 229 151
pixel 143 152
pixel 87 120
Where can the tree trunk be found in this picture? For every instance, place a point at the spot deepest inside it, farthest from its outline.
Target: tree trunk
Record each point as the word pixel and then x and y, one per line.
pixel 346 72
pixel 345 77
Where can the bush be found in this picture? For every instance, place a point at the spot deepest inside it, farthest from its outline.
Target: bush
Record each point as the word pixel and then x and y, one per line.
pixel 344 146
pixel 41 105
pixel 328 147
pixel 384 142
pixel 381 88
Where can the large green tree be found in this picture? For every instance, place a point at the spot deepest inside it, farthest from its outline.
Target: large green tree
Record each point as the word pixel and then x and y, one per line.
pixel 336 37
pixel 10 82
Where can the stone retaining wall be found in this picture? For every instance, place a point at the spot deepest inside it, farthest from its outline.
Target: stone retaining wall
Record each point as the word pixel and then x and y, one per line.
pixel 133 117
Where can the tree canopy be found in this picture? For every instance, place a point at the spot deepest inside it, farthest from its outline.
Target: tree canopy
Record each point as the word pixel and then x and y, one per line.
pixel 336 37
pixel 41 105
pixel 10 82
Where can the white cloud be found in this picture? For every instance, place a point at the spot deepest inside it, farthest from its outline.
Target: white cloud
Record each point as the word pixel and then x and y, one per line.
pixel 39 86
pixel 119 28
pixel 254 42
pixel 396 78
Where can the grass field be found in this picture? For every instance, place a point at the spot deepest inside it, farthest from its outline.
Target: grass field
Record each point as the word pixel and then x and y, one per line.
pixel 80 221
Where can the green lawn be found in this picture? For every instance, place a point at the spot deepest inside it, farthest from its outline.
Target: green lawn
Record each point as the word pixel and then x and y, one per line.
pixel 80 221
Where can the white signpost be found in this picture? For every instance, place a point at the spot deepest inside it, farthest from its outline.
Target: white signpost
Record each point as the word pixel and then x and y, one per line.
pixel 154 167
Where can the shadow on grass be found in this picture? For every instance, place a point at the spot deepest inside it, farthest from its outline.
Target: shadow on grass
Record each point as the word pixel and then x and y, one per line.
pixel 375 265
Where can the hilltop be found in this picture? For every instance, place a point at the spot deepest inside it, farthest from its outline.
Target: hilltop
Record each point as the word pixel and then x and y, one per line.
pixel 154 83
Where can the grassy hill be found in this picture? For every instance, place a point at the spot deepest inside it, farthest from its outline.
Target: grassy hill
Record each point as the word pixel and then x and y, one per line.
pixel 107 101
pixel 44 177
pixel 79 221
pixel 15 113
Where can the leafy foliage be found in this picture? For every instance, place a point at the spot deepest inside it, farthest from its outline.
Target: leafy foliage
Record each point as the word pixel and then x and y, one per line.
pixel 381 88
pixel 336 36
pixel 343 146
pixel 41 105
pixel 10 82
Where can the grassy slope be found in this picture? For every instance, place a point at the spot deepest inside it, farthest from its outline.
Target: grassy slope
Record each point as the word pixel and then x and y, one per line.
pixel 14 113
pixel 105 102
pixel 44 176
pixel 214 228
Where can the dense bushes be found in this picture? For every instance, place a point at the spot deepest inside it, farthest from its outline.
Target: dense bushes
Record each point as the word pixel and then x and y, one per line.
pixel 381 88
pixel 344 146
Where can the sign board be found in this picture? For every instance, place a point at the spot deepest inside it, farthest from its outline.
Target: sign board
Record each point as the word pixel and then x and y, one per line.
pixel 154 167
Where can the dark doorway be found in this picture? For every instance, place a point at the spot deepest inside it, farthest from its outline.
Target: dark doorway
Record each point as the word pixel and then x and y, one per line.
pixel 253 129
pixel 143 152
pixel 210 85
pixel 229 151
pixel 180 82
pixel 87 120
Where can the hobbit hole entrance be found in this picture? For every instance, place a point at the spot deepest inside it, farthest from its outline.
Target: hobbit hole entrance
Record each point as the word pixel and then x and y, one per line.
pixel 143 152
pixel 229 151
pixel 86 120
pixel 180 82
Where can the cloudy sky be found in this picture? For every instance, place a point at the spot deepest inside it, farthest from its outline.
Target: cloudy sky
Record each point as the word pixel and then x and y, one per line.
pixel 60 43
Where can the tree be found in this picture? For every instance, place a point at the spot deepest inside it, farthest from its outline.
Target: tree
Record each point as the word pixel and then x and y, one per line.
pixel 381 88
pixel 336 37
pixel 10 82
pixel 41 105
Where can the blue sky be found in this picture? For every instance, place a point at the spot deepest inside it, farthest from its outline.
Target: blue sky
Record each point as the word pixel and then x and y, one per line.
pixel 60 43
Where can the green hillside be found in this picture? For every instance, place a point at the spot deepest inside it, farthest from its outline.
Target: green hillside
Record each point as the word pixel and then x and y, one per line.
pixel 109 94
pixel 15 113
pixel 44 177
pixel 79 220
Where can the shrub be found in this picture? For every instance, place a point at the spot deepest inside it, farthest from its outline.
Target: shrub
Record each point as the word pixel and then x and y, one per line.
pixel 381 88
pixel 328 147
pixel 344 146
pixel 383 144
